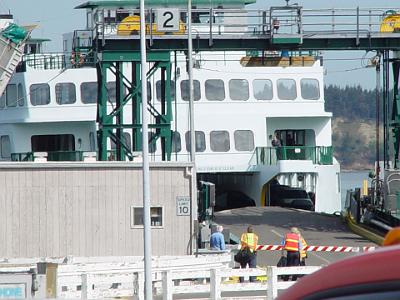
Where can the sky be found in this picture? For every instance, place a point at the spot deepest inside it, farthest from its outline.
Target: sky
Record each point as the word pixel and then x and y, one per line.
pixel 55 17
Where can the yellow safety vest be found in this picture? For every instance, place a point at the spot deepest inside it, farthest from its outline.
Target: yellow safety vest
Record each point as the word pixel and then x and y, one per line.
pixel 303 253
pixel 249 240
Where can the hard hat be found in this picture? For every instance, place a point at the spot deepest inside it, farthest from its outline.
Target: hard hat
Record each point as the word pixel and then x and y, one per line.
pixel 392 237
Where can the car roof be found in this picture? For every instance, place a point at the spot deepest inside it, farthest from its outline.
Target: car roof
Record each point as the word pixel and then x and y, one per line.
pixel 381 265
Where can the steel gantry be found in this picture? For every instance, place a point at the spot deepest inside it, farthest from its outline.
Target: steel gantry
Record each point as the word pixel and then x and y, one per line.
pixel 223 26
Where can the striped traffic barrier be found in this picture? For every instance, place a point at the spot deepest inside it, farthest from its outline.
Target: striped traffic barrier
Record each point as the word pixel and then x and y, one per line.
pixel 319 248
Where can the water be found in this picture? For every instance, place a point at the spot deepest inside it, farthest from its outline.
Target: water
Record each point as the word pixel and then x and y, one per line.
pixel 352 180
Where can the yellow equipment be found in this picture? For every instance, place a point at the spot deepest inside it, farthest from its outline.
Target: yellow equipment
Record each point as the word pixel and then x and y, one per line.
pixel 131 26
pixel 391 23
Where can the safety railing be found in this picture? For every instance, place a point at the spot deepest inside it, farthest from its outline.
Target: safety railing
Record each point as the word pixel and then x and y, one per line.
pixel 321 155
pixel 51 156
pixel 45 61
pixel 276 20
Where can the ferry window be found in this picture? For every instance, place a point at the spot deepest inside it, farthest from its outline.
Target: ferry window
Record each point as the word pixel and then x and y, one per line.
pixel 215 89
pixel 156 216
pixel 127 141
pixel 239 89
pixel 92 141
pixel 287 89
pixel 219 141
pixel 3 100
pixel 309 89
pixel 244 140
pixel 112 91
pixel 185 90
pixel 65 93
pixel 176 142
pixel 11 95
pixel 39 94
pixel 21 95
pixel 262 89
pixel 5 146
pixel 152 142
pixel 158 90
pixel 89 92
pixel 56 142
pixel 200 141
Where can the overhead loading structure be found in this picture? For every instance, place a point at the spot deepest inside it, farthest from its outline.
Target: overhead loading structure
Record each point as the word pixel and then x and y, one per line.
pixel 112 39
pixel 12 42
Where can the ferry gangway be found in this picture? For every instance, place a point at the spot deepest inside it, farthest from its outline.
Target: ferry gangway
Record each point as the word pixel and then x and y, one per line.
pixel 282 27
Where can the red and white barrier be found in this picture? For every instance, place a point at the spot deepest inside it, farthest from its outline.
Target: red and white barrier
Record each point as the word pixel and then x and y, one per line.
pixel 319 248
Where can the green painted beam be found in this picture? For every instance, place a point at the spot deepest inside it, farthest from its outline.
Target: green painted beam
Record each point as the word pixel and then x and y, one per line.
pixel 250 42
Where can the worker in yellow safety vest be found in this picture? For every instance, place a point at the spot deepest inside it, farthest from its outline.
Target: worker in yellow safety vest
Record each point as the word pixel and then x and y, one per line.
pixel 249 242
pixel 303 252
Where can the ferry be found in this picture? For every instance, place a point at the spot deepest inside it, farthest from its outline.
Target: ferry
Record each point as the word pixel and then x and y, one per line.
pixel 243 102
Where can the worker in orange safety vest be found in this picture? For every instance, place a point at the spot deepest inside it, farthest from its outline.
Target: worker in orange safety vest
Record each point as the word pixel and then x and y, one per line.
pixel 249 240
pixel 292 245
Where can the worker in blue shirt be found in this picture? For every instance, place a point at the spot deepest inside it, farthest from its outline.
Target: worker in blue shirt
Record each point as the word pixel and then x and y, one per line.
pixel 217 241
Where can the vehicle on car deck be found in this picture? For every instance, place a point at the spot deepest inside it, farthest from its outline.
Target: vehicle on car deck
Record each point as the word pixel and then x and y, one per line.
pixel 371 275
pixel 232 199
pixel 286 196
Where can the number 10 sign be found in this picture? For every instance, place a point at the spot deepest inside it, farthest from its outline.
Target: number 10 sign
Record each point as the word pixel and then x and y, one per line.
pixel 168 19
pixel 182 206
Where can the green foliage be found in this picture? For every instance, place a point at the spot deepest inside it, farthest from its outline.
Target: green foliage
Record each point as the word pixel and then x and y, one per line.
pixel 354 106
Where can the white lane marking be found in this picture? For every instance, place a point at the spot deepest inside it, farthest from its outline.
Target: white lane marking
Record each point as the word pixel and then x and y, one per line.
pixel 311 253
pixel 320 257
pixel 277 233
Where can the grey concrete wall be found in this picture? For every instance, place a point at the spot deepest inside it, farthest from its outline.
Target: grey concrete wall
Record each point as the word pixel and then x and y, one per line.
pixel 84 209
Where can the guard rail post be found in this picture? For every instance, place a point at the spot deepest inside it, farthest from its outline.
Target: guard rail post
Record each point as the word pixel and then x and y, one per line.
pixel 272 281
pixel 167 285
pixel 215 284
pixel 138 285
pixel 84 286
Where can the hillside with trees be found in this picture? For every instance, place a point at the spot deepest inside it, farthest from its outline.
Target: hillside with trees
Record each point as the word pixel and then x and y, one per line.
pixel 353 125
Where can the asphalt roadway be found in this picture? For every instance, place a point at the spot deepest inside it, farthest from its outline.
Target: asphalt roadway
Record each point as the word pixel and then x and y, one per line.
pixel 271 223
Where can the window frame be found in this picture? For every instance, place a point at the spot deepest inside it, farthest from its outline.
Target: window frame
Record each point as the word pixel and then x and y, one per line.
pixel 212 146
pixel 141 226
pixel 272 89
pixel 235 139
pixel 230 93
pixel 33 92
pixel 318 89
pixel 187 141
pixel 59 94
pixel 279 93
pixel 223 89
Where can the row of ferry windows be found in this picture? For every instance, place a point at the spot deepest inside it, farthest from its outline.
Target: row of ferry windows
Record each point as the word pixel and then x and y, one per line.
pixel 219 141
pixel 214 91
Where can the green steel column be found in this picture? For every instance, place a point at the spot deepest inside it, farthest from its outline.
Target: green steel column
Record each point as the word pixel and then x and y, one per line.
pixel 168 134
pixel 119 118
pixel 396 112
pixel 102 109
pixel 137 133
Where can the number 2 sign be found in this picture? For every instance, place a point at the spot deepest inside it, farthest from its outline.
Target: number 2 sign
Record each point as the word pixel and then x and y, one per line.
pixel 168 19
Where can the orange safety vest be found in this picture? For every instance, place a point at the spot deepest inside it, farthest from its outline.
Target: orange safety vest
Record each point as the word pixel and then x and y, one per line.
pixel 291 242
pixel 249 240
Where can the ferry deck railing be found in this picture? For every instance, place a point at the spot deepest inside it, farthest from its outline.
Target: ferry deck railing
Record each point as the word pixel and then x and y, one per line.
pixel 276 21
pixel 321 155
